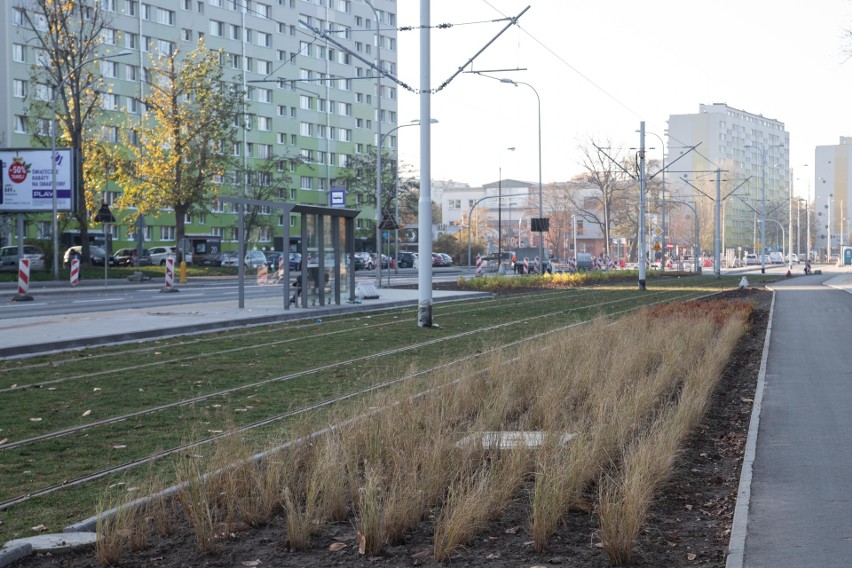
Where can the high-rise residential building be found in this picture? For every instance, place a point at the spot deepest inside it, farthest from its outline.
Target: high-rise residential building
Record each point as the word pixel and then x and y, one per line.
pixel 832 173
pixel 753 154
pixel 305 95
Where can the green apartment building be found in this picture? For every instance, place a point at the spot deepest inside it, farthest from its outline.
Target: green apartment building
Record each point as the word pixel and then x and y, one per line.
pixel 306 96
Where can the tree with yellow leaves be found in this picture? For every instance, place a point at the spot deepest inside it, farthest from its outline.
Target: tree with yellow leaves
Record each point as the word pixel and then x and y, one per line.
pixel 184 139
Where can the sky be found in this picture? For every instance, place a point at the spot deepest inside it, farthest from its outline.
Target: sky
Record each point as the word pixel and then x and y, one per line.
pixel 602 66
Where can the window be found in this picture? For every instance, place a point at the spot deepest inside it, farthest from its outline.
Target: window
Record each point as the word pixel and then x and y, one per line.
pixel 235 32
pixel 108 36
pixel 282 138
pixel 293 194
pixel 263 11
pixel 109 69
pixel 44 126
pixel 19 53
pixel 186 5
pixel 306 182
pixel 131 7
pixel 110 134
pixel 108 5
pixel 264 95
pixel 17 17
pixel 110 101
pixel 217 28
pixel 166 17
pixel 216 3
pixel 20 124
pixel 132 105
pixel 131 40
pixel 131 73
pixel 19 88
pixel 264 67
pixel 263 39
pixel 305 102
pixel 264 123
pixel 306 129
pixel 186 34
pixel 167 233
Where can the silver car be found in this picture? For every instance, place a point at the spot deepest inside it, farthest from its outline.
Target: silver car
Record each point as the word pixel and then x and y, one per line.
pixel 9 258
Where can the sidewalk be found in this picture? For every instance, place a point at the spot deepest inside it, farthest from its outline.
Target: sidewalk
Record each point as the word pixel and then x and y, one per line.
pixel 793 506
pixel 43 334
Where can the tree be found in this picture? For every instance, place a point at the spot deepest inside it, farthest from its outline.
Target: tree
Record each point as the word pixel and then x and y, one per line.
pixel 68 34
pixel 184 138
pixel 606 172
pixel 262 179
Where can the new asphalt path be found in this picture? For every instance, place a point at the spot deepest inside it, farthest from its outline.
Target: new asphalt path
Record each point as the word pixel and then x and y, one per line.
pixel 794 504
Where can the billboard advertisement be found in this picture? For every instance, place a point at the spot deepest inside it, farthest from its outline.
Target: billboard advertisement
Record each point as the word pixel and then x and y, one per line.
pixel 27 180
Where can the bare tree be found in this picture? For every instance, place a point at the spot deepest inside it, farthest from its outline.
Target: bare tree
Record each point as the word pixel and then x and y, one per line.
pixel 67 35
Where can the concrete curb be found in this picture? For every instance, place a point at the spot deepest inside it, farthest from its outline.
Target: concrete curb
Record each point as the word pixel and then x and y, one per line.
pixel 14 551
pixel 739 527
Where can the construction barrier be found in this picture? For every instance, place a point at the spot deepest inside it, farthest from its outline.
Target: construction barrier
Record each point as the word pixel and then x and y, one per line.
pixel 170 275
pixel 479 265
pixel 75 271
pixel 23 276
pixel 261 275
pixel 526 265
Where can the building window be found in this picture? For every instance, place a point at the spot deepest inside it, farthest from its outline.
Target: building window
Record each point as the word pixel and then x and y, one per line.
pixel 306 182
pixel 264 123
pixel 186 34
pixel 19 88
pixel 167 233
pixel 131 40
pixel 131 73
pixel 217 28
pixel 108 36
pixel 110 101
pixel 109 69
pixel 19 53
pixel 17 17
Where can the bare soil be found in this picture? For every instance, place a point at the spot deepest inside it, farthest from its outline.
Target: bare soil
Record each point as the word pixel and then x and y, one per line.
pixel 689 524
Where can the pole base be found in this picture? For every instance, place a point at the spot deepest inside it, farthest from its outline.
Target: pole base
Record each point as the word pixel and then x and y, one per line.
pixel 642 285
pixel 22 298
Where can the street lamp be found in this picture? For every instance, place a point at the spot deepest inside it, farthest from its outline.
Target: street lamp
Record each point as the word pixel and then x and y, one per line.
pixel 379 152
pixel 763 150
pixel 500 269
pixel 540 204
pixel 415 122
pixel 663 202
pixel 59 87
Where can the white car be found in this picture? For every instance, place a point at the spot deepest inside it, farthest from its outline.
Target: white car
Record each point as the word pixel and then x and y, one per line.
pixel 255 259
pixel 160 254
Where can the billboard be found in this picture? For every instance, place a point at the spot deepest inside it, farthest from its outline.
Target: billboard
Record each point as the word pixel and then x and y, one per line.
pixel 27 180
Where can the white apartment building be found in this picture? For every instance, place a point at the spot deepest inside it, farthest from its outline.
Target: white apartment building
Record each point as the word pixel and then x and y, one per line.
pixel 832 174
pixel 305 95
pixel 749 149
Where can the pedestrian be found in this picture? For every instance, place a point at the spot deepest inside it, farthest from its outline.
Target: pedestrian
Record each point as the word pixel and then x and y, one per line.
pixel 514 263
pixel 808 266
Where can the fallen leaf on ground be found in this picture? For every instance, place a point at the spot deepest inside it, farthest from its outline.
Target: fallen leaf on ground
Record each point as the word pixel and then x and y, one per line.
pixel 96 389
pixel 251 563
pixel 3 441
pixel 40 528
pixel 690 556
pixel 492 556
pixel 119 446
pixel 513 530
pixel 87 413
pixel 35 419
pixel 336 546
pixel 362 543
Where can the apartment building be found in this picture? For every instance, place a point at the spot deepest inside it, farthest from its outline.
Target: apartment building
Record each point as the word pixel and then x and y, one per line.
pixel 753 154
pixel 306 95
pixel 832 173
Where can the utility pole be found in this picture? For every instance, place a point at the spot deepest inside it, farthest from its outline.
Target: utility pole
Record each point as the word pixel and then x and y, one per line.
pixel 641 231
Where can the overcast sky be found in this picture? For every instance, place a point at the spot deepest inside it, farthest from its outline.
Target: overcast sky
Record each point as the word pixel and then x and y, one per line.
pixel 602 66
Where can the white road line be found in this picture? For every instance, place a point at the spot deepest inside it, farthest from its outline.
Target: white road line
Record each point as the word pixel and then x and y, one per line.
pixel 97 300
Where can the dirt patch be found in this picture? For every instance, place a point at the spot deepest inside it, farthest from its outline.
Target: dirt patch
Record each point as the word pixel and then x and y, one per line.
pixel 689 523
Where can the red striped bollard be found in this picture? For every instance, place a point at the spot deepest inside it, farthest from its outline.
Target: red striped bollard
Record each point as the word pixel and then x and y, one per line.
pixel 261 275
pixel 23 281
pixel 537 265
pixel 170 276
pixel 526 265
pixel 479 265
pixel 75 271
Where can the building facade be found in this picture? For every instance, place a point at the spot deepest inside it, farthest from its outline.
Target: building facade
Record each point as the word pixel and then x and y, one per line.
pixel 306 96
pixel 832 173
pixel 753 154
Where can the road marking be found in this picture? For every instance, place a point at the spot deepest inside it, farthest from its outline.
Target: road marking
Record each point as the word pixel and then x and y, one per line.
pixel 98 300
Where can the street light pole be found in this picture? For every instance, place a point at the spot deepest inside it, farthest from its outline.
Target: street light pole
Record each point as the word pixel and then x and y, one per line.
pixel 540 199
pixel 379 148
pixel 59 87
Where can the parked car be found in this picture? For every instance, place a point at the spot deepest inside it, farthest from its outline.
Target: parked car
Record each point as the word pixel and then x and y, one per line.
pixel 385 260
pixel 96 254
pixel 364 261
pixel 407 259
pixel 448 260
pixel 274 260
pixel 793 257
pixel 160 254
pixel 9 258
pixel 776 258
pixel 751 259
pixel 255 259
pixel 127 257
pixel 295 261
pixel 438 260
pixel 229 259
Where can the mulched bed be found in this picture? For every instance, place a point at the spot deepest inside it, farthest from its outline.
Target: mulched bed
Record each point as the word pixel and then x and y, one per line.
pixel 689 523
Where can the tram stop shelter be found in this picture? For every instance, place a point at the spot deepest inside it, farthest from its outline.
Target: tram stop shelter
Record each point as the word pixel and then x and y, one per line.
pixel 327 246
